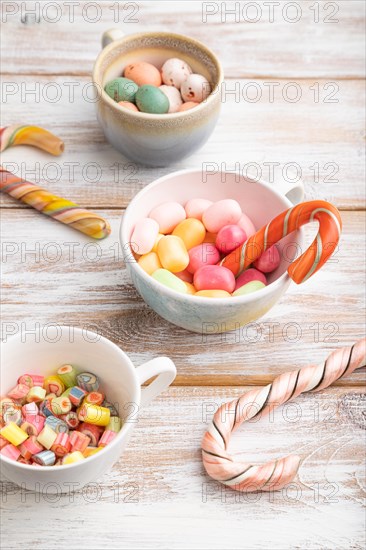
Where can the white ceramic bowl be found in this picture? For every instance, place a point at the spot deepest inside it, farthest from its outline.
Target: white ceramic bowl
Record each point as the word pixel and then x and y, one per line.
pixel 260 201
pixel 44 353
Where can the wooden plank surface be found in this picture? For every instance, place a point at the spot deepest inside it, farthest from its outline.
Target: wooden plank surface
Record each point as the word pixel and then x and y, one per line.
pixel 158 496
pixel 320 141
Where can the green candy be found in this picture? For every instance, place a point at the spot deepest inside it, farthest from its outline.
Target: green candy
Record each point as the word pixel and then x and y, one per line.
pixel 253 286
pixel 121 89
pixel 167 278
pixel 149 99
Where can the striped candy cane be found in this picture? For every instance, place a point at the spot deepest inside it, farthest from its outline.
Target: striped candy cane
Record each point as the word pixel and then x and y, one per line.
pixel 30 135
pixel 274 475
pixel 330 227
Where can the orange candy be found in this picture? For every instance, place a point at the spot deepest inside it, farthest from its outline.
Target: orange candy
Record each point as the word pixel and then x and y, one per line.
pixel 143 73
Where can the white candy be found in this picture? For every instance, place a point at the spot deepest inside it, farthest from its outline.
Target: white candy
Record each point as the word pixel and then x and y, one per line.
pixel 175 71
pixel 173 94
pixel 195 88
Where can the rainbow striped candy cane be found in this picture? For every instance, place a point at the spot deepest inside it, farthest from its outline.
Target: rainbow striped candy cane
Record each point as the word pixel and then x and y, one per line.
pixel 274 475
pixel 30 135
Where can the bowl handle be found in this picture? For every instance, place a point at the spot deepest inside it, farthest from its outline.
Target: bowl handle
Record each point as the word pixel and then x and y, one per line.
pixel 111 35
pixel 294 191
pixel 164 370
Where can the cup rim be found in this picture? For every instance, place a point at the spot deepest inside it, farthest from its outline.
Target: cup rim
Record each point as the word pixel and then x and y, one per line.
pixel 202 300
pixel 149 116
pixel 122 433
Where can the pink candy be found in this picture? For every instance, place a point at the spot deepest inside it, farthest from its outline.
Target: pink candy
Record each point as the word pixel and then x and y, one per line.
pixel 168 215
pixel 10 451
pixel 196 207
pixel 248 276
pixel 19 392
pixel 230 237
pixel 246 224
pixel 202 254
pixel 220 213
pixel 214 277
pixel 144 235
pixel 269 260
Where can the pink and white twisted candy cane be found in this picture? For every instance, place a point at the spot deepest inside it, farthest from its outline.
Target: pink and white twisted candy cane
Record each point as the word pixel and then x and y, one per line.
pixel 274 475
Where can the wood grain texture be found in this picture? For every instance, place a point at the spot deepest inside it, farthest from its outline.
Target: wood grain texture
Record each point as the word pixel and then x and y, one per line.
pixel 41 265
pixel 331 47
pixel 158 495
pixel 319 141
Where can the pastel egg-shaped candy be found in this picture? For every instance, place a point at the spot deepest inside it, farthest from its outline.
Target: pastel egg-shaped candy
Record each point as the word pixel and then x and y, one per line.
pixel 149 99
pixel 191 231
pixel 190 288
pixel 175 71
pixel 128 105
pixel 214 277
pixel 168 215
pixel 203 254
pixel 246 223
pixel 172 253
pixel 220 213
pixel 195 88
pixel 213 293
pixel 269 260
pixel 230 237
pixel 155 247
pixel 143 73
pixel 185 275
pixel 196 207
pixel 174 97
pixel 187 106
pixel 248 276
pixel 167 278
pixel 253 286
pixel 150 262
pixel 122 89
pixel 144 235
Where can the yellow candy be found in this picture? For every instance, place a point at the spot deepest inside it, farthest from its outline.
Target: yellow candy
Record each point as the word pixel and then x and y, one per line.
pixel 13 434
pixel 150 262
pixel 47 436
pixel 36 393
pixel 54 384
pixel 90 451
pixel 190 288
pixel 172 253
pixel 94 414
pixel 213 293
pixel 71 458
pixel 155 247
pixel 191 231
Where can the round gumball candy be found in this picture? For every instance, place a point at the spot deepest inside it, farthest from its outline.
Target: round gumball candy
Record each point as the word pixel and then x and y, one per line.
pixel 269 260
pixel 173 254
pixel 195 88
pixel 149 99
pixel 221 213
pixel 168 215
pixel 203 254
pixel 175 71
pixel 121 89
pixel 248 276
pixel 253 286
pixel 174 98
pixel 214 277
pixel 191 231
pixel 246 223
pixel 230 237
pixel 187 106
pixel 128 105
pixel 144 235
pixel 196 207
pixel 143 73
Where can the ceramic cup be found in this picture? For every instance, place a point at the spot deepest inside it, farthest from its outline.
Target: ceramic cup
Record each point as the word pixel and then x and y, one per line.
pixel 155 140
pixel 260 201
pixel 46 351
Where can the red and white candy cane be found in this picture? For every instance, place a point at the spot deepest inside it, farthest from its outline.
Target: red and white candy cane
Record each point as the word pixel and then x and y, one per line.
pixel 323 246
pixel 274 475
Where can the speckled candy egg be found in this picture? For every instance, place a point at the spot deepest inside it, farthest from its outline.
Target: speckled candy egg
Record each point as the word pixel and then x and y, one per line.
pixel 195 88
pixel 174 97
pixel 175 71
pixel 121 89
pixel 143 73
pixel 149 99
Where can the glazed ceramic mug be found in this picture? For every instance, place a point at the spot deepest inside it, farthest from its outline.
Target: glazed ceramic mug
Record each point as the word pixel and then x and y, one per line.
pixel 50 348
pixel 260 201
pixel 155 140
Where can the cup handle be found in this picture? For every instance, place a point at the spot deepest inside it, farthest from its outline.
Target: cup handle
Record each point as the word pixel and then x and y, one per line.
pixel 164 369
pixel 111 35
pixel 294 191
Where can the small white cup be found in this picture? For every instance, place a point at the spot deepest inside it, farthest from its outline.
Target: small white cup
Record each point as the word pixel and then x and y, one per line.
pixel 46 351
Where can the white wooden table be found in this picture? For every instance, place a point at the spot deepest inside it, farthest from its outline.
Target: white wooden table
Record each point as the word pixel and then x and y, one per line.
pixel 157 495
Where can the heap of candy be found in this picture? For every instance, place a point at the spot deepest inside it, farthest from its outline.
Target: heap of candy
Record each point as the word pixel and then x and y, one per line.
pixel 174 88
pixel 56 420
